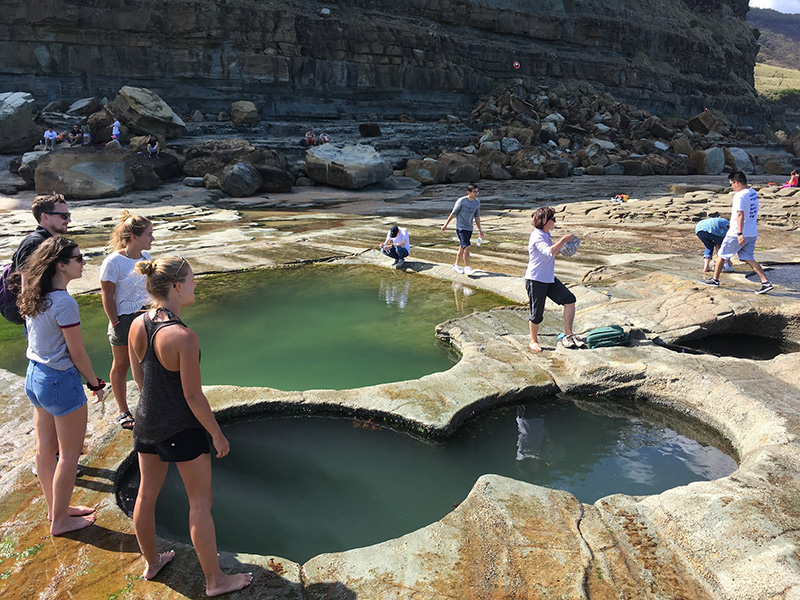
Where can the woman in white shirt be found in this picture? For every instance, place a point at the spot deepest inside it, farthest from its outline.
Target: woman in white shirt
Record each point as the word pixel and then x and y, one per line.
pixel 540 279
pixel 124 298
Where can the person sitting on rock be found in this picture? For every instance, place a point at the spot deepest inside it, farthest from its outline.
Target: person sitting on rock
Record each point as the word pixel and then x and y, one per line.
pixel 87 138
pixel 153 149
pixel 324 138
pixel 310 139
pixel 75 136
pixel 50 137
pixel 397 245
pixel 794 180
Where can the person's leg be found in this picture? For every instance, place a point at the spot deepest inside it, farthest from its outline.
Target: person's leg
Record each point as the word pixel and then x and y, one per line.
pixel 537 293
pixel 46 451
pixel 758 270
pixel 466 257
pixel 560 294
pixel 119 371
pixel 153 472
pixel 569 318
pixel 196 476
pixel 71 431
pixel 459 256
pixel 708 252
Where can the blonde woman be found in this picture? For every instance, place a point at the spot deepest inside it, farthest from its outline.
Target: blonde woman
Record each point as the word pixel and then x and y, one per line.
pixel 124 297
pixel 173 417
pixel 57 359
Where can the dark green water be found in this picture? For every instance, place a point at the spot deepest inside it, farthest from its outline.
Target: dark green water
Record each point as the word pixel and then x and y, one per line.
pixel 296 487
pixel 310 327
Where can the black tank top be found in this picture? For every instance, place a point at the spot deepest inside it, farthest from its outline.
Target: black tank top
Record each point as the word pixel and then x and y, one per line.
pixel 162 410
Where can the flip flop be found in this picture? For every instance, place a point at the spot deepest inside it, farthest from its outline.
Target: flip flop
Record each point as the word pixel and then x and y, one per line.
pixel 125 420
pixel 579 343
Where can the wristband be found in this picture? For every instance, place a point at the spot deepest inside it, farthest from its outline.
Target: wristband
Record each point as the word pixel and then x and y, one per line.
pixel 96 388
pixel 115 323
pixel 740 233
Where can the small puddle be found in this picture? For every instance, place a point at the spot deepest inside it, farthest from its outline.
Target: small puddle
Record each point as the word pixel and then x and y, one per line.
pixel 300 486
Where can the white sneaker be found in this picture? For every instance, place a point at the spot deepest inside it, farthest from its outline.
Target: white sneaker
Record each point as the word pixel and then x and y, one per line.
pixel 458 269
pixel 469 271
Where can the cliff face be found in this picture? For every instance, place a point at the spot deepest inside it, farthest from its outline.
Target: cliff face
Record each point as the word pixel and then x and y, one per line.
pixel 424 57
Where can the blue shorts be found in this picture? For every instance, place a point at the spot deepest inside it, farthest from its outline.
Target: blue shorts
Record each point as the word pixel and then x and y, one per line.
pixel 464 237
pixel 57 392
pixel 730 246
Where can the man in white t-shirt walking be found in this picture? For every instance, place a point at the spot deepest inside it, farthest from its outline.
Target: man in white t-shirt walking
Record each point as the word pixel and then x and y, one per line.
pixel 742 233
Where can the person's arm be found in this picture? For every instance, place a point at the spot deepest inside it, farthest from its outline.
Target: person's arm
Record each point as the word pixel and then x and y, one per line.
pixel 189 358
pixel 80 358
pixel 556 248
pixel 740 226
pixel 107 289
pixel 136 368
pixel 449 218
pixel 478 223
pixel 387 240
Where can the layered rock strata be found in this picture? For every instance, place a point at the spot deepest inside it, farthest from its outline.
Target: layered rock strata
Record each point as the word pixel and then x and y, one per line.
pixel 423 57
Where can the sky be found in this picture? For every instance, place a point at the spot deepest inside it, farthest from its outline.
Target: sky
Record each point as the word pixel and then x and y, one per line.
pixel 784 6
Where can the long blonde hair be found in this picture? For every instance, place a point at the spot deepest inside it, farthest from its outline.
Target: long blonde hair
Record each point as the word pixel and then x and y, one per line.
pixel 128 226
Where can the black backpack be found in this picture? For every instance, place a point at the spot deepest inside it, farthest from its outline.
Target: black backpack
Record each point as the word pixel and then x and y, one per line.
pixel 9 287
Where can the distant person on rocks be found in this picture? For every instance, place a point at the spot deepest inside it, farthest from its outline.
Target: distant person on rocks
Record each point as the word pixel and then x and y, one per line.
pixel 397 245
pixel 115 130
pixel 50 137
pixel 75 136
pixel 711 232
pixel 310 139
pixel 324 138
pixel 87 138
pixel 464 211
pixel 124 298
pixel 794 180
pixel 57 359
pixel 172 418
pixel 153 150
pixel 53 219
pixel 541 281
pixel 742 233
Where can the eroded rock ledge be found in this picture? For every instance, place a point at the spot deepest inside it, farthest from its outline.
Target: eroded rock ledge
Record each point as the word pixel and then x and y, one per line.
pixel 735 537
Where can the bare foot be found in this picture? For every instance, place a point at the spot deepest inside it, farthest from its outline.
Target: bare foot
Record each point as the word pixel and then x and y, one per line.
pixel 230 583
pixel 535 347
pixel 76 511
pixel 71 524
pixel 163 558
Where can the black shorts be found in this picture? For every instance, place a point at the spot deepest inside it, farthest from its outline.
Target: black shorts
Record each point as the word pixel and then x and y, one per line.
pixel 118 336
pixel 181 447
pixel 538 292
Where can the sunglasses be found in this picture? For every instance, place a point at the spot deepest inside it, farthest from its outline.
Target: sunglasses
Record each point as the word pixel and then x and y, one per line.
pixel 64 215
pixel 78 257
pixel 180 266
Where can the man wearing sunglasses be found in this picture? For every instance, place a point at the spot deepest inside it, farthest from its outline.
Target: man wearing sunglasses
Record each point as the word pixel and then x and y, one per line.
pixel 53 218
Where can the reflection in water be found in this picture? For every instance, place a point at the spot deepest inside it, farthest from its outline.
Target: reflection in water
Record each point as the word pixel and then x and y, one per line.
pixel 296 487
pixel 395 293
pixel 462 292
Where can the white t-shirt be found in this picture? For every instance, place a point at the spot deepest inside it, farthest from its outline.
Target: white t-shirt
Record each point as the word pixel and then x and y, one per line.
pixel 50 135
pixel 747 202
pixel 130 294
pixel 541 263
pixel 401 239
pixel 46 343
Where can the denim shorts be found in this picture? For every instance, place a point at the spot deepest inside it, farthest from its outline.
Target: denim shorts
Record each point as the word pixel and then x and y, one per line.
pixel 57 392
pixel 464 237
pixel 730 246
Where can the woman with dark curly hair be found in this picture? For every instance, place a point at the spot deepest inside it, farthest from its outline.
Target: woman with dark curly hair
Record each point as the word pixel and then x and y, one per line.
pixel 57 359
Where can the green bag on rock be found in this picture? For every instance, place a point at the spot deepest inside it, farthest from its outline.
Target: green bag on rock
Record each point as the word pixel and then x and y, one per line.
pixel 603 337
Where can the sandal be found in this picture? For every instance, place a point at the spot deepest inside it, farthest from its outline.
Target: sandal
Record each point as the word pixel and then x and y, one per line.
pixel 125 420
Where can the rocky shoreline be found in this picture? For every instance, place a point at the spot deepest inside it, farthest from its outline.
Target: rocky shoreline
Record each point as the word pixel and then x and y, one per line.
pixel 637 266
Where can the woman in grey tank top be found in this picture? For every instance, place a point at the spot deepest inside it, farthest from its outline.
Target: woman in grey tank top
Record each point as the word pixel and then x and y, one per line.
pixel 165 354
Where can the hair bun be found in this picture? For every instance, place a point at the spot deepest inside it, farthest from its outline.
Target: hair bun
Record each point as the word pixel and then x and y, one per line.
pixel 145 267
pixel 124 215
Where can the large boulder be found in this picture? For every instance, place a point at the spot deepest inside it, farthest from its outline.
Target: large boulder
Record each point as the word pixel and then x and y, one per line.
pixel 708 162
pixel 350 167
pixel 84 107
pixel 427 171
pixel 636 167
pixel 244 111
pixel 274 180
pixel 164 166
pixel 143 111
pixel 526 164
pixel 239 180
pixel 702 123
pixel 793 145
pixel 84 172
pixel 681 145
pixel 461 168
pixel 101 124
pixel 739 160
pixel 18 132
pixel 28 164
pixel 212 156
pixel 493 164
